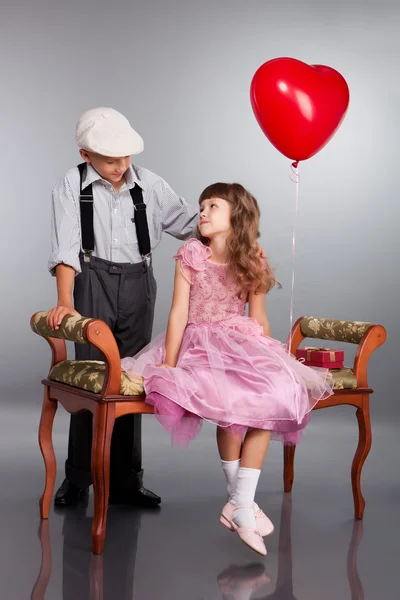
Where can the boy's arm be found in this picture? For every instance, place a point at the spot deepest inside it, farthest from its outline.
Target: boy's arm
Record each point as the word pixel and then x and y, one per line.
pixel 65 276
pixel 65 227
pixel 179 218
pixel 64 258
pixel 257 311
pixel 178 318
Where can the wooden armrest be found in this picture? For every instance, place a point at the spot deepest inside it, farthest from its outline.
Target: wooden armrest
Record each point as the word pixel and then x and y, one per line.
pixel 100 335
pixel 367 335
pixel 84 331
pixel 374 337
pixel 297 336
pixel 71 327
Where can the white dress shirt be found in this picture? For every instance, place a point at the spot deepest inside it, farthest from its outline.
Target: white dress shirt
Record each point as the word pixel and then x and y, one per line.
pixel 113 214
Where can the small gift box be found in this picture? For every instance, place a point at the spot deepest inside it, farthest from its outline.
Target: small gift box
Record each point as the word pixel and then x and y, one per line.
pixel 321 357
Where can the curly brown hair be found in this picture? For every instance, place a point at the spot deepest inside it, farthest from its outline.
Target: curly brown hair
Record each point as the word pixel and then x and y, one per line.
pixel 250 271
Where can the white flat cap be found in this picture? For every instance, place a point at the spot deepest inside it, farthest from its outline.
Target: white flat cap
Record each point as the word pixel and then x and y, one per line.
pixel 107 132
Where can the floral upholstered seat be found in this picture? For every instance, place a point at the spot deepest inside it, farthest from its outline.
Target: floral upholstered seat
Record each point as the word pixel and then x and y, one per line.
pixel 85 374
pixel 89 375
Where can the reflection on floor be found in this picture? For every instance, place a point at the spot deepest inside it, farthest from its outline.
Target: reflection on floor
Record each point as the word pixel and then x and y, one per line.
pixel 181 552
pixel 235 582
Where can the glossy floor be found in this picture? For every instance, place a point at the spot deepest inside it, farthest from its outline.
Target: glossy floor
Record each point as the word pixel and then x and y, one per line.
pixel 181 551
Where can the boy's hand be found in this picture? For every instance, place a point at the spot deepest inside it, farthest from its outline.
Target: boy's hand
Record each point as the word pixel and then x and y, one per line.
pixel 260 251
pixel 56 315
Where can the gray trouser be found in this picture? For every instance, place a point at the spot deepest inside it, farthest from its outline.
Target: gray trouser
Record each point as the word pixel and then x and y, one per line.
pixel 123 295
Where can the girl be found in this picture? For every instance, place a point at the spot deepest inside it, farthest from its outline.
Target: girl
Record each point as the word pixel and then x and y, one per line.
pixel 217 364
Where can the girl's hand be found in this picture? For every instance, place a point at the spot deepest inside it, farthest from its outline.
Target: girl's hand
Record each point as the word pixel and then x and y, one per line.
pixel 165 366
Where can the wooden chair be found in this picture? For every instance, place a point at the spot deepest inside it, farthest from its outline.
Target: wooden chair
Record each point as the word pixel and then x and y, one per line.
pixel 351 387
pixel 97 386
pixel 108 394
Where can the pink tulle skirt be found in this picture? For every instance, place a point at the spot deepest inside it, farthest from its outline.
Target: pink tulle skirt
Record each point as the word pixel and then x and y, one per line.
pixel 230 374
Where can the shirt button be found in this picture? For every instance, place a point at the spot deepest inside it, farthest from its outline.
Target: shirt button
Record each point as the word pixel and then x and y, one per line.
pixel 115 241
pixel 114 210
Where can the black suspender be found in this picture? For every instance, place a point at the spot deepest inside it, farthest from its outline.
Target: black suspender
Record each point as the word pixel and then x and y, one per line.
pixel 142 227
pixel 86 209
pixel 86 206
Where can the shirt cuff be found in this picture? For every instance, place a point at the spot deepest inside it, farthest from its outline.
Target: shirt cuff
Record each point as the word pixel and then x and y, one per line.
pixel 69 260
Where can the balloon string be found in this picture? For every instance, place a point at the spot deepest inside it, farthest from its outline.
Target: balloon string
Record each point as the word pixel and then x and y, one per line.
pixel 296 180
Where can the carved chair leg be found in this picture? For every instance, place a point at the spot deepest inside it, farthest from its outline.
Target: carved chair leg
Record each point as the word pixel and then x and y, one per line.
pixel 363 448
pixel 46 446
pixel 103 424
pixel 288 467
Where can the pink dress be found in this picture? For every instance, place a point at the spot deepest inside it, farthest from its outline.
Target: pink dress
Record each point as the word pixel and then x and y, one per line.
pixel 227 372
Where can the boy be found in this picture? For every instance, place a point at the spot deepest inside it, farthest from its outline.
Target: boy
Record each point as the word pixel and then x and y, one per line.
pixel 108 216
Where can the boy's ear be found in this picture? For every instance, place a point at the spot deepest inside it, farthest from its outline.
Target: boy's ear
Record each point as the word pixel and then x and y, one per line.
pixel 84 154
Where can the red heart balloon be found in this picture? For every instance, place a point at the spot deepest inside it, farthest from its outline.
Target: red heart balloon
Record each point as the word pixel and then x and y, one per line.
pixel 298 106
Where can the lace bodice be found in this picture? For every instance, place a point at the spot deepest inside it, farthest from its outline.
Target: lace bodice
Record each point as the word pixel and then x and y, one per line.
pixel 213 296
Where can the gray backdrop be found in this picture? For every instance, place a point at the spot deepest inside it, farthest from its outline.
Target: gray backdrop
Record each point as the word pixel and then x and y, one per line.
pixel 181 71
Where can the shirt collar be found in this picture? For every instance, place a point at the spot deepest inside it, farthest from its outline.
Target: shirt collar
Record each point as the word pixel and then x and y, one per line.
pixel 130 177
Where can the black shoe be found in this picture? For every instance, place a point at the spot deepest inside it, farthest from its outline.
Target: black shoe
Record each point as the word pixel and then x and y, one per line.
pixel 140 497
pixel 69 494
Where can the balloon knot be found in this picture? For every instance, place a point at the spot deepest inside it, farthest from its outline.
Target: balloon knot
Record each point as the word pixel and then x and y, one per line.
pixel 295 164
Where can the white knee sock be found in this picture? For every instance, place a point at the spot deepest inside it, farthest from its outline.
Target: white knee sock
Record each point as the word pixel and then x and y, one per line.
pixel 247 481
pixel 231 470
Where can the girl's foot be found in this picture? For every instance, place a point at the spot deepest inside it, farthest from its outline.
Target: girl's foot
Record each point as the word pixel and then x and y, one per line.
pixel 249 535
pixel 263 523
